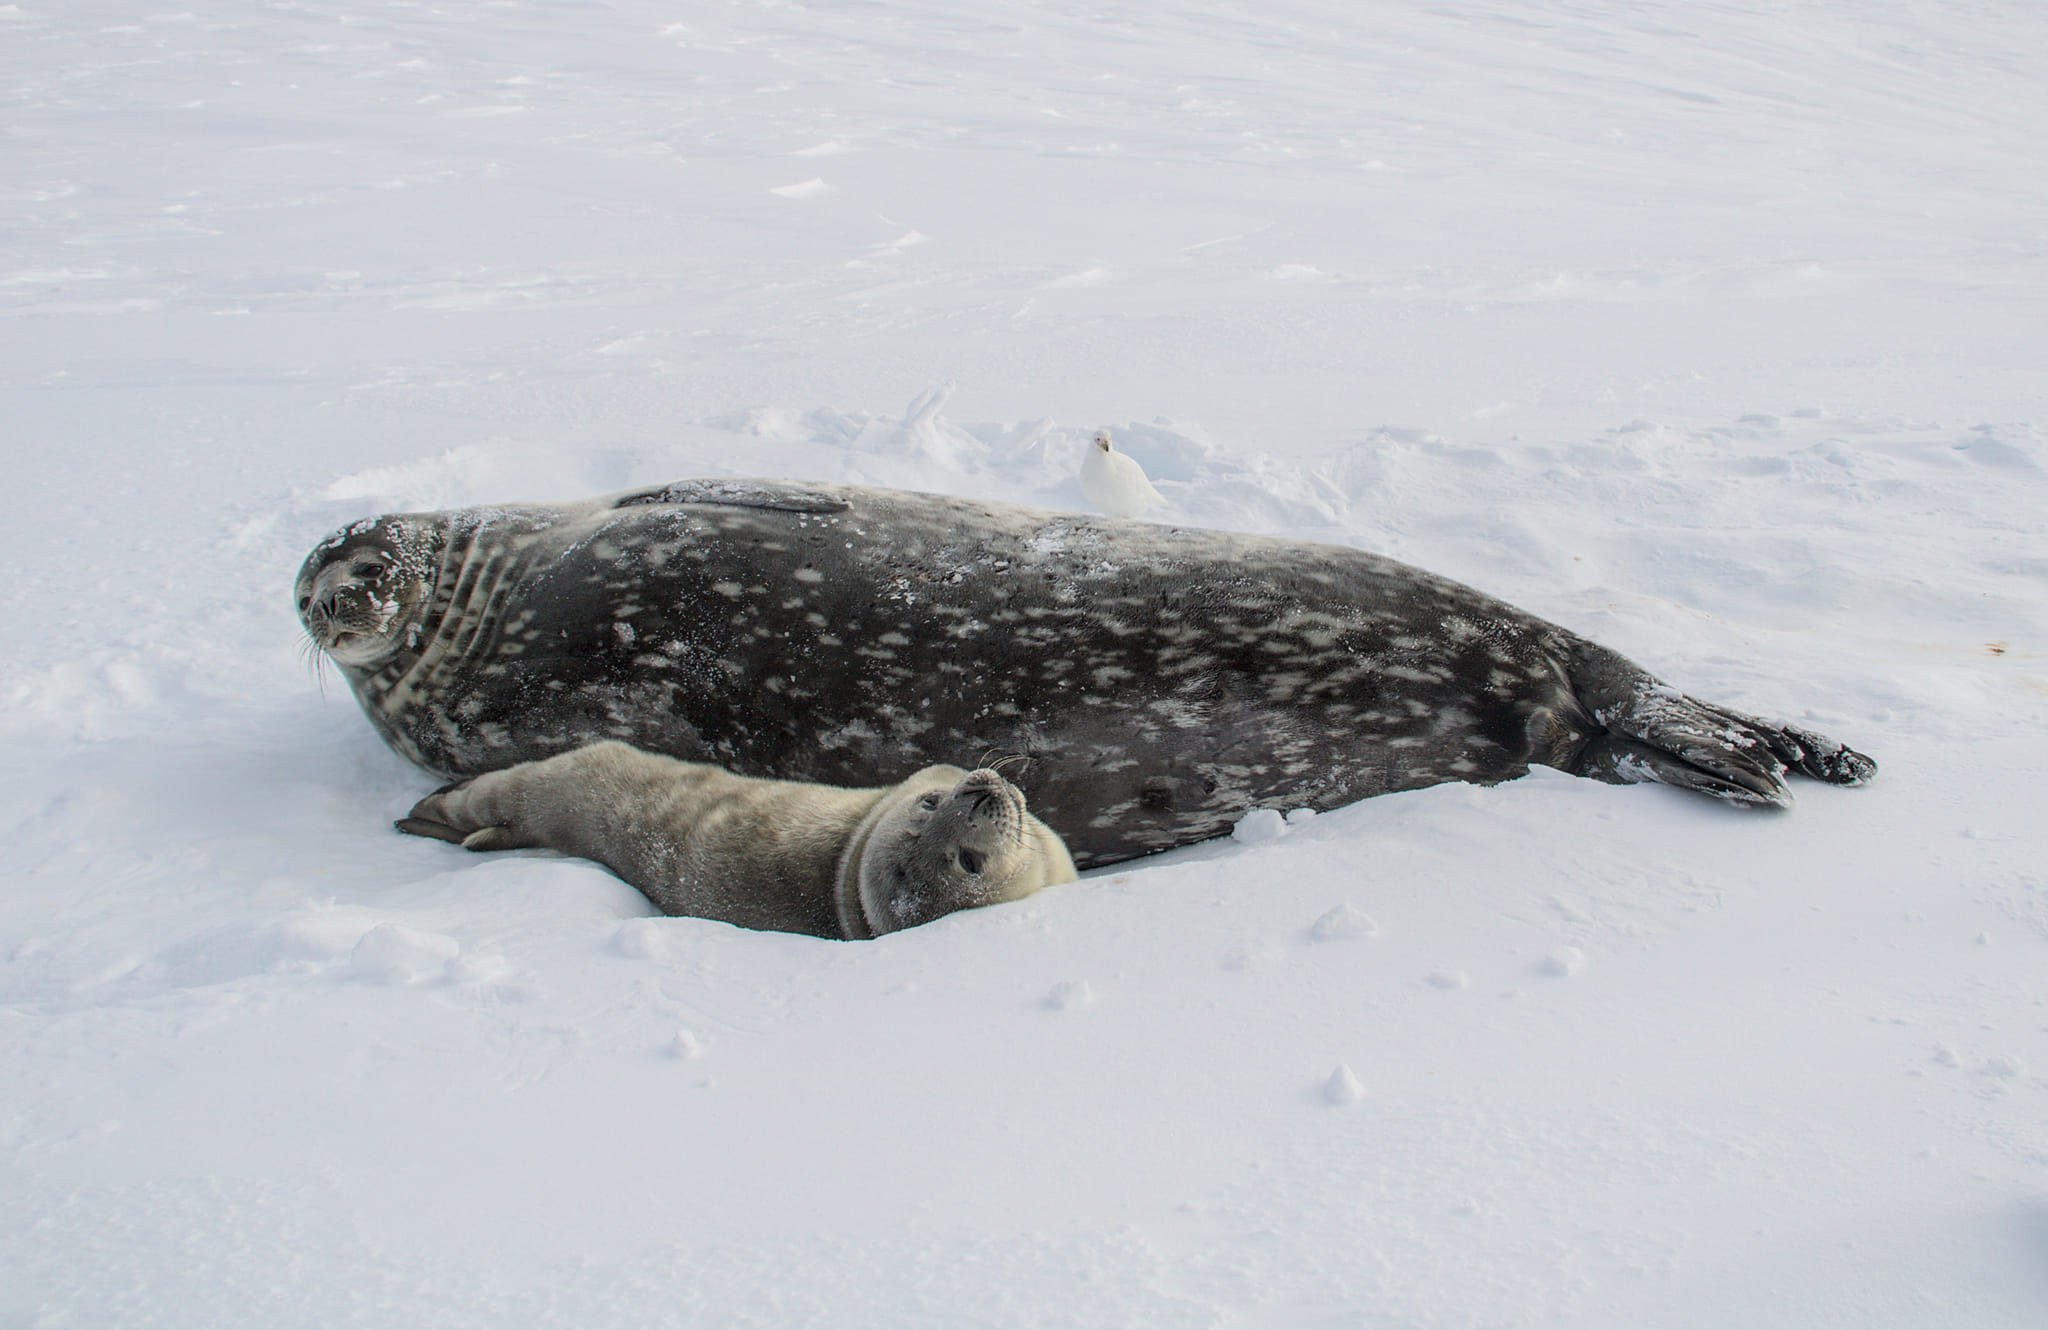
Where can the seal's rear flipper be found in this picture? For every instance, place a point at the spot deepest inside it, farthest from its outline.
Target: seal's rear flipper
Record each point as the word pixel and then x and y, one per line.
pixel 1808 753
pixel 1649 731
pixel 1622 761
pixel 1667 737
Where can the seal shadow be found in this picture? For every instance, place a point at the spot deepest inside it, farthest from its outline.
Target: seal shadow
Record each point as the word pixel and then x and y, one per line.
pixel 2030 1225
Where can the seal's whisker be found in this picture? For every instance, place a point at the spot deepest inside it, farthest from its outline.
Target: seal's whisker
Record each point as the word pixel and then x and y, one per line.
pixel 316 662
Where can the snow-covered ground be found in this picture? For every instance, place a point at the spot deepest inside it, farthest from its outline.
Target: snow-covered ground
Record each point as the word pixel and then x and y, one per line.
pixel 1716 332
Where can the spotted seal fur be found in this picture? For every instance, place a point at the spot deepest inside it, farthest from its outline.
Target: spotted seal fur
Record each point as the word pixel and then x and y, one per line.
pixel 770 854
pixel 1163 680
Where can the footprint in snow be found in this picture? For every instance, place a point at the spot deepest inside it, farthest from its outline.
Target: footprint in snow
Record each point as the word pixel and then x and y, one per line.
pixel 470 968
pixel 641 940
pixel 1070 995
pixel 394 954
pixel 1248 955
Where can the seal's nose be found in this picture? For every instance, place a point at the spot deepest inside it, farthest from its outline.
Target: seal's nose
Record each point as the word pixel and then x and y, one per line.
pixel 992 796
pixel 321 601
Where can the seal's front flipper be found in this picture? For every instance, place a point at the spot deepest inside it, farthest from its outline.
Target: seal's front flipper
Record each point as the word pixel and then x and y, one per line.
pixel 777 496
pixel 483 838
pixel 467 813
pixel 419 826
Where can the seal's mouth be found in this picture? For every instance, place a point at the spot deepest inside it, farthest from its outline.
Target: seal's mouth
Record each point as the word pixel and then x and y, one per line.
pixel 330 623
pixel 351 622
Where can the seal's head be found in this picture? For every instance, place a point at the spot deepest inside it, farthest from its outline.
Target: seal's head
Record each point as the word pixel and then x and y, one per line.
pixel 361 591
pixel 945 840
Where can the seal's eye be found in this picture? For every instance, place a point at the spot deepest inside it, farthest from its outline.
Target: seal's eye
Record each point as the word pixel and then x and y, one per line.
pixel 367 570
pixel 929 801
pixel 971 861
pixel 305 602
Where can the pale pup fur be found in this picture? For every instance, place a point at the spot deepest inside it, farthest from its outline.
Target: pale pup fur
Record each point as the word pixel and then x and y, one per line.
pixel 768 854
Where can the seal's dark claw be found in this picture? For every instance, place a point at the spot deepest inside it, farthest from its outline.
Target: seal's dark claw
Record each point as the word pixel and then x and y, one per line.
pixel 1823 759
pixel 1850 767
pixel 419 826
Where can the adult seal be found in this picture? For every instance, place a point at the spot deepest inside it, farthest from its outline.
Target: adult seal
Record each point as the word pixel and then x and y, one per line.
pixel 770 854
pixel 1162 680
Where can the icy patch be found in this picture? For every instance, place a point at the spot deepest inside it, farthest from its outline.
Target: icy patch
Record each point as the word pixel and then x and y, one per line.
pixel 1448 980
pixel 803 189
pixel 1343 1087
pixel 1564 962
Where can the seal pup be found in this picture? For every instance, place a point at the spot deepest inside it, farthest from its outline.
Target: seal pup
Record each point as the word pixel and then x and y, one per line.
pixel 1163 680
pixel 1114 482
pixel 768 854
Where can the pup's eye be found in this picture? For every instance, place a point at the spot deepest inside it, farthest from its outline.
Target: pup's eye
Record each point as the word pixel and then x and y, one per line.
pixel 367 570
pixel 971 861
pixel 929 801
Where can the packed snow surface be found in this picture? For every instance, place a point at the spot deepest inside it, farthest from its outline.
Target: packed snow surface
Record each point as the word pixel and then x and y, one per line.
pixel 1715 333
